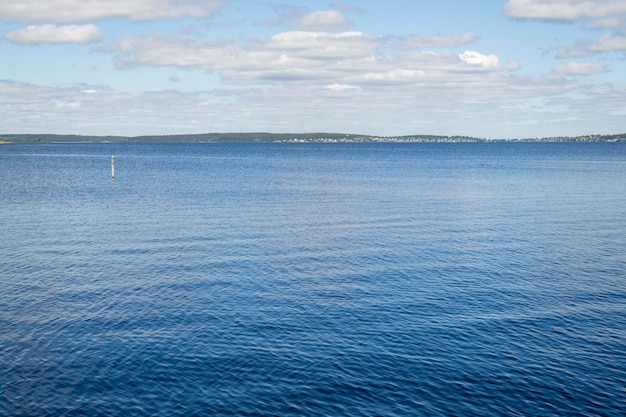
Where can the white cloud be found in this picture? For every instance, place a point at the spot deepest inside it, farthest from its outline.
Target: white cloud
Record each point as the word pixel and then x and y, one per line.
pixel 64 11
pixel 602 13
pixel 323 45
pixel 478 59
pixel 397 76
pixel 37 108
pixel 82 34
pixel 596 14
pixel 568 10
pixel 609 43
pixel 61 104
pixel 583 48
pixel 441 41
pixel 324 20
pixel 342 87
pixel 289 52
pixel 341 91
pixel 579 68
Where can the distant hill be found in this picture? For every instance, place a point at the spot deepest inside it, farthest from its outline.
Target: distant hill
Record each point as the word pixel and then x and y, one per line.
pixel 291 137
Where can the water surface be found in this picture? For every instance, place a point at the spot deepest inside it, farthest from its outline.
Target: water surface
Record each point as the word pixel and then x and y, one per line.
pixel 313 279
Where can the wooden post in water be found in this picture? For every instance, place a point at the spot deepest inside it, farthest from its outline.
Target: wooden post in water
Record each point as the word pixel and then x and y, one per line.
pixel 112 167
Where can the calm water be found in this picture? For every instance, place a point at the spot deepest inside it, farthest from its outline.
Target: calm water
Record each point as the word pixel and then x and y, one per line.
pixel 335 279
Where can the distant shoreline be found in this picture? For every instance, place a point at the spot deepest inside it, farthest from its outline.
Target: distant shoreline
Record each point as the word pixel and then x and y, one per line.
pixel 263 137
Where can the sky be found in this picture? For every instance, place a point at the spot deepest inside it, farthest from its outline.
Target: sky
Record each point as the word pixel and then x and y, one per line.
pixel 484 68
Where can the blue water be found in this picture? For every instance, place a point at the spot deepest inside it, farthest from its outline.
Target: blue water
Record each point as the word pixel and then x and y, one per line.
pixel 313 279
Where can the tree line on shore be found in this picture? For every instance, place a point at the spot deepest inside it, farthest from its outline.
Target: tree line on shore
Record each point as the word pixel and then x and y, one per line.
pixel 291 137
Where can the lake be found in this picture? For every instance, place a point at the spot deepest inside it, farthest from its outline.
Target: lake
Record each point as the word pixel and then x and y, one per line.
pixel 439 279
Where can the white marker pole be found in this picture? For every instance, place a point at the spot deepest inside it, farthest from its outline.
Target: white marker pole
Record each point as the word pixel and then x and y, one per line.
pixel 112 167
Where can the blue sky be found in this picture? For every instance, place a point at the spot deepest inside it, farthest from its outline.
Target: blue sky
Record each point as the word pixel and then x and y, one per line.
pixel 492 68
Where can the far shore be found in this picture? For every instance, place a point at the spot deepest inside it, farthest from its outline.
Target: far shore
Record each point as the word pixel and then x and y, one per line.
pixel 264 137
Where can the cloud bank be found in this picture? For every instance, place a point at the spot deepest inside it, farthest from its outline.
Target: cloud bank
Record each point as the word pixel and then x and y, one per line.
pixel 585 48
pixel 324 20
pixel 601 14
pixel 581 68
pixel 311 58
pixel 71 11
pixel 82 34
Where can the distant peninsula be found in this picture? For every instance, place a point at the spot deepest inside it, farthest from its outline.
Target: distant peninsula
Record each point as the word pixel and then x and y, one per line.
pixel 263 137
